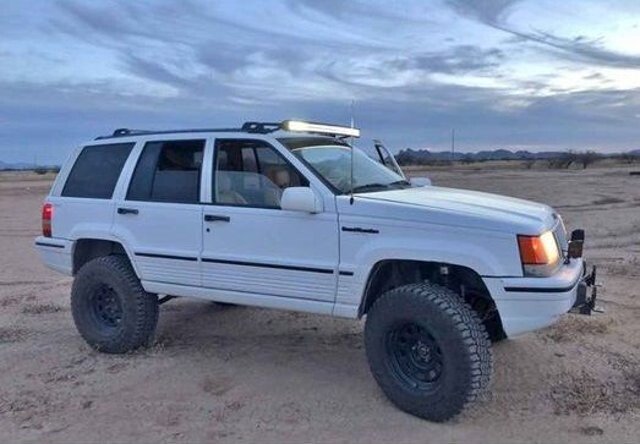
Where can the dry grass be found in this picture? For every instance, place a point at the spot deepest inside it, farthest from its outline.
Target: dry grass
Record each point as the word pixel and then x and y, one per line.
pixel 591 431
pixel 12 334
pixel 608 200
pixel 36 309
pixel 571 328
pixel 216 387
pixel 585 395
pixel 9 301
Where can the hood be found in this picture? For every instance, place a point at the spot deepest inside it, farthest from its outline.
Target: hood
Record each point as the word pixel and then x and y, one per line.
pixel 470 208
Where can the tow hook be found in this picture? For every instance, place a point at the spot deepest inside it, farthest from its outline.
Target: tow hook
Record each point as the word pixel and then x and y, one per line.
pixel 586 303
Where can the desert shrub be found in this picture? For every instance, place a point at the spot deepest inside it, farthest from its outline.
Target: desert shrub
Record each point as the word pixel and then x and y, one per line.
pixel 563 161
pixel 584 158
pixel 587 158
pixel 629 158
pixel 45 170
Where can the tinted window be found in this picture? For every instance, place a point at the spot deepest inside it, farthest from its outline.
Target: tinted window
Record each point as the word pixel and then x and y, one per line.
pixel 168 172
pixel 252 173
pixel 96 171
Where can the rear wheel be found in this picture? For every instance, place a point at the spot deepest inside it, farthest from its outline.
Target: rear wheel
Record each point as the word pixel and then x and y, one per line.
pixel 110 308
pixel 427 350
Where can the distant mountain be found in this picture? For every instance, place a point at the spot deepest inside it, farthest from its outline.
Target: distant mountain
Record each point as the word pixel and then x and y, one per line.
pixel 16 166
pixel 410 156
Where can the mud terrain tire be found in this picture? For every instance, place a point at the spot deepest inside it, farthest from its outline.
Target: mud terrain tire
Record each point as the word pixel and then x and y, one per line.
pixel 110 308
pixel 428 350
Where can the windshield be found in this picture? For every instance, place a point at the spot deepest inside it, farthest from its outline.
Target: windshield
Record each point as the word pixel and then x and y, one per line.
pixel 333 163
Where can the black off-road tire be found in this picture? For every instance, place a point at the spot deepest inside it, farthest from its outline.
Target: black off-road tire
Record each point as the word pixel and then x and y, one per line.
pixel 110 308
pixel 451 356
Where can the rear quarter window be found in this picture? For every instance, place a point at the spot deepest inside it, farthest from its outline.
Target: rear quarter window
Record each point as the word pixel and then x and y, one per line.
pixel 96 171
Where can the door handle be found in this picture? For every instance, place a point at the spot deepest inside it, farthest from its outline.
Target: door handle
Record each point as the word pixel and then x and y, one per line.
pixel 127 210
pixel 360 230
pixel 216 218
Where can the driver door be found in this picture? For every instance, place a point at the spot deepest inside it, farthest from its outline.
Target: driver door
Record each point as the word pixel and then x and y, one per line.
pixel 250 244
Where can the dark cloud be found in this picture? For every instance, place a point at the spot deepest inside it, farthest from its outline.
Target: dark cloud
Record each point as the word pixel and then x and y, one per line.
pixel 595 76
pixel 152 69
pixel 224 60
pixel 581 49
pixel 489 12
pixel 106 24
pixel 354 11
pixel 461 59
pixel 495 13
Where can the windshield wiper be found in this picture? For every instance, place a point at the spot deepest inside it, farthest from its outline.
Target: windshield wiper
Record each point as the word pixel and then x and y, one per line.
pixel 381 186
pixel 370 187
pixel 401 182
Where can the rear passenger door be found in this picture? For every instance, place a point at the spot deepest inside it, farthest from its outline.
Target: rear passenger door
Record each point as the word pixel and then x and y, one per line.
pixel 160 216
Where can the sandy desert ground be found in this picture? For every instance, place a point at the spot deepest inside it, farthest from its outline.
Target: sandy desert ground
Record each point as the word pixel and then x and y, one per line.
pixel 254 375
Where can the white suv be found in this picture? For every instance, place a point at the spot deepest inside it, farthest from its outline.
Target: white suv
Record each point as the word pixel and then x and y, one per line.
pixel 290 215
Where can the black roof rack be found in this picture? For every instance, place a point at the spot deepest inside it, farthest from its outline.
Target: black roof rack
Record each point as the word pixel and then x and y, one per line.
pixel 247 127
pixel 125 132
pixel 261 127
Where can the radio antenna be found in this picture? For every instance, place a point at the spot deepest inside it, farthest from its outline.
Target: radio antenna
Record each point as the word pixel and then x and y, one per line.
pixel 453 144
pixel 351 200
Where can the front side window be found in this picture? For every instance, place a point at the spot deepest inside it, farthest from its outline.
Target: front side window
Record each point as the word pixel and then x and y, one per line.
pixel 252 173
pixel 333 163
pixel 168 171
pixel 96 171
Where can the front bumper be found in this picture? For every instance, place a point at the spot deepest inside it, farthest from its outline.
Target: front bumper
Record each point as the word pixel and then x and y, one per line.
pixel 587 293
pixel 528 304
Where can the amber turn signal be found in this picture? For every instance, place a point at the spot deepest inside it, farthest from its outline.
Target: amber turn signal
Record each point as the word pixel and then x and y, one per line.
pixel 538 250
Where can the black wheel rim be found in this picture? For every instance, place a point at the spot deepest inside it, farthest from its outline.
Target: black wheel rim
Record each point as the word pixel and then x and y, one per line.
pixel 415 357
pixel 106 307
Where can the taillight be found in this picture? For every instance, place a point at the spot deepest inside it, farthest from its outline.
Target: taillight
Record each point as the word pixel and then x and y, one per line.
pixel 47 216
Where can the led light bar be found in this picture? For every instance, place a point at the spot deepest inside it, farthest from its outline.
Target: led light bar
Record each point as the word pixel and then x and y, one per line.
pixel 321 128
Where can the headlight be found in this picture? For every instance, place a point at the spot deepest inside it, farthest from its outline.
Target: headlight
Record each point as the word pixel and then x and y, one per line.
pixel 539 254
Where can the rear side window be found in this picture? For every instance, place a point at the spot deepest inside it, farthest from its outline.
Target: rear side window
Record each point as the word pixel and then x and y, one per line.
pixel 168 171
pixel 96 171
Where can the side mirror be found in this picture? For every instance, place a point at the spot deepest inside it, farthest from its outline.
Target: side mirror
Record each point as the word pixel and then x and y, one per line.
pixel 420 181
pixel 300 199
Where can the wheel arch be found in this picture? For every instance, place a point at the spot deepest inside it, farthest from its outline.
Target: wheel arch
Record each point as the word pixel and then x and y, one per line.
pixel 463 280
pixel 88 248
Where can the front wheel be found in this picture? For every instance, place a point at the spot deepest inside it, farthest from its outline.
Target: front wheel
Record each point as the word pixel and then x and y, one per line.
pixel 427 350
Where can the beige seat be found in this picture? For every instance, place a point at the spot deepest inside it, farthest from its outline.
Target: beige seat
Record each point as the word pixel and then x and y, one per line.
pixel 225 193
pixel 280 177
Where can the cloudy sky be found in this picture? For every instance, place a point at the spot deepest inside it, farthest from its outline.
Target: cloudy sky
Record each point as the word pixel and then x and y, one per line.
pixel 528 74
